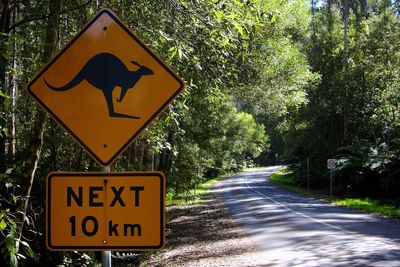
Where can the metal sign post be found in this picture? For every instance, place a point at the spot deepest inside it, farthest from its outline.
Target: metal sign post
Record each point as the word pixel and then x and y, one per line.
pixel 331 164
pixel 331 181
pixel 106 258
pixel 106 255
pixel 308 174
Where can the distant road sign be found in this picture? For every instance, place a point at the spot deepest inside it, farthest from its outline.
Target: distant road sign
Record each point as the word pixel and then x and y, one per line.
pixel 331 164
pixel 105 87
pixel 105 211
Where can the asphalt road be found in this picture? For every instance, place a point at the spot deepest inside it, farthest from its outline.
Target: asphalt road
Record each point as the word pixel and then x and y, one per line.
pixel 291 230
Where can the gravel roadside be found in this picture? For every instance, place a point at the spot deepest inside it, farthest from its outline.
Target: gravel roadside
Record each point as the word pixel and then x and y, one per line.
pixel 203 235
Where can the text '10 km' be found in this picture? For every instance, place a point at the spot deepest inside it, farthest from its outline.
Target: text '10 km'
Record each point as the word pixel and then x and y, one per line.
pixel 89 224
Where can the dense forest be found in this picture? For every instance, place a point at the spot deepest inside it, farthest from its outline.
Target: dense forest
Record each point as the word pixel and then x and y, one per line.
pixel 266 82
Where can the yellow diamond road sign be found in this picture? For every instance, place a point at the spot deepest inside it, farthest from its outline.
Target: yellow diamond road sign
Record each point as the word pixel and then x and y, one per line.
pixel 105 87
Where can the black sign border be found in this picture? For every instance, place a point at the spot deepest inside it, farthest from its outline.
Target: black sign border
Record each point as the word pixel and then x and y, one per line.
pixel 87 175
pixel 149 121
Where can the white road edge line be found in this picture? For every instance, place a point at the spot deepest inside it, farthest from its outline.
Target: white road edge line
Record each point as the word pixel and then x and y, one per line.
pixel 316 220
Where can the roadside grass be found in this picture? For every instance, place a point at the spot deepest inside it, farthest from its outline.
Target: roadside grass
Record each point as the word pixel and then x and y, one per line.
pixel 284 179
pixel 370 205
pixel 254 167
pixel 193 196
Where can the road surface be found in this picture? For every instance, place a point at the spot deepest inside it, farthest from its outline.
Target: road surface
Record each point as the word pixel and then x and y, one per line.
pixel 291 230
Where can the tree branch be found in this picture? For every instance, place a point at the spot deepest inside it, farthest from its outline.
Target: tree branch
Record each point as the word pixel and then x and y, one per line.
pixel 76 8
pixel 21 22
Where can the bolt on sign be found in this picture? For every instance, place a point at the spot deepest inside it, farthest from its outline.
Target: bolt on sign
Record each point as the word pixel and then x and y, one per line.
pixel 105 211
pixel 105 87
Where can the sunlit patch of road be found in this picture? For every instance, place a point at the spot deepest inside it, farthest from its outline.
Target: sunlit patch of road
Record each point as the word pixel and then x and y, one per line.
pixel 291 230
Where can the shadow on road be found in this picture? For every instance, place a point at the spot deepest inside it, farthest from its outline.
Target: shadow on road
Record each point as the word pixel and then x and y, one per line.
pixel 291 230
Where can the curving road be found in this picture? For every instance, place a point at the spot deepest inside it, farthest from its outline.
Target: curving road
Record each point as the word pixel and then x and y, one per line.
pixel 291 230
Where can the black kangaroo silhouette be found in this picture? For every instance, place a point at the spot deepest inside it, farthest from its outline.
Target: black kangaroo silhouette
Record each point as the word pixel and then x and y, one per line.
pixel 105 72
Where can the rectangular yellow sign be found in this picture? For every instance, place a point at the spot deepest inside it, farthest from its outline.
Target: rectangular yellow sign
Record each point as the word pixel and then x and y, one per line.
pixel 105 211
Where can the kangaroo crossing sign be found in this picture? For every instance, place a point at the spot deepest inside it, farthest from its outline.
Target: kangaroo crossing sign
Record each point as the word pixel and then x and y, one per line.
pixel 105 211
pixel 105 87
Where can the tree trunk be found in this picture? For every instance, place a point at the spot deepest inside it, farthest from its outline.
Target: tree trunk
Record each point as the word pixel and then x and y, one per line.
pixel 78 162
pixel 53 146
pixel 346 31
pixel 13 94
pixel 141 155
pixel 148 158
pixel 3 113
pixel 4 25
pixel 36 141
pixel 162 161
pixel 345 61
pixel 169 156
pixel 14 91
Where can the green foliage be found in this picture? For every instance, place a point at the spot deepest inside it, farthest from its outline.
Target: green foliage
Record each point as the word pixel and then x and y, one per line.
pixel 13 248
pixel 193 196
pixel 229 140
pixel 3 119
pixel 245 139
pixel 187 170
pixel 352 108
pixel 370 169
